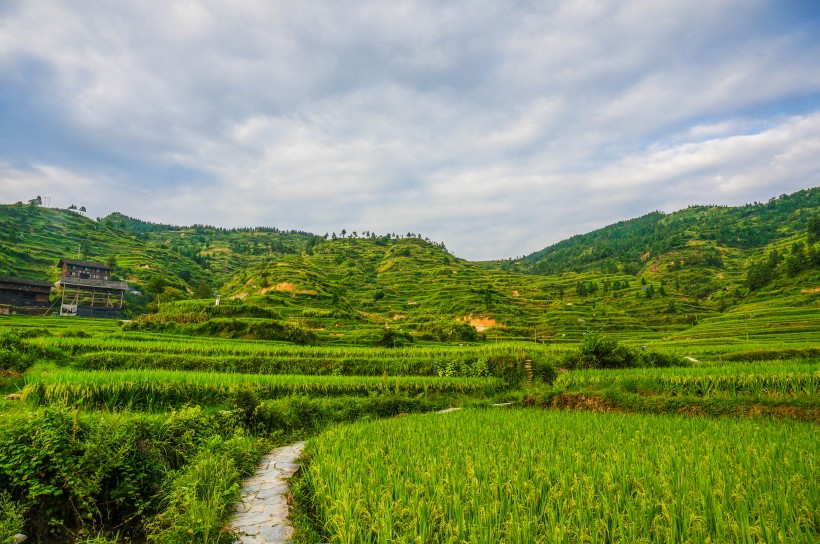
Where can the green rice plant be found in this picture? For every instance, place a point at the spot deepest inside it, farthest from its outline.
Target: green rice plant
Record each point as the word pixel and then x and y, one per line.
pixel 200 502
pixel 541 476
pixel 756 380
pixel 161 389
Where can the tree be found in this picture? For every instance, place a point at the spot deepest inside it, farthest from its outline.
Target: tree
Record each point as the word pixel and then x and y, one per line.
pixel 82 209
pixel 813 229
pixel 38 201
pixel 202 290
pixel 581 289
pixel 488 296
pixel 797 260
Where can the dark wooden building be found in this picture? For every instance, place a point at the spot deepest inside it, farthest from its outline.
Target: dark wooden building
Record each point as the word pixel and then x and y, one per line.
pixel 24 293
pixel 87 289
pixel 88 270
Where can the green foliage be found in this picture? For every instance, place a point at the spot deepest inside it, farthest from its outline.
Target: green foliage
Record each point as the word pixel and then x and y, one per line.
pixel 200 501
pixel 624 244
pixel 231 328
pixel 79 473
pixel 11 518
pixel 598 351
pixel 447 331
pixel 392 338
pixel 17 354
pixel 69 472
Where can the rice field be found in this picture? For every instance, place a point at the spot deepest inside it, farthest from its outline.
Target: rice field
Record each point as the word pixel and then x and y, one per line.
pixel 160 389
pixel 526 476
pixel 796 378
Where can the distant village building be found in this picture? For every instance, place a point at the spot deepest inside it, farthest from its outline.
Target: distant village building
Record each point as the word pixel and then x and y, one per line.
pixel 87 270
pixel 23 293
pixel 87 289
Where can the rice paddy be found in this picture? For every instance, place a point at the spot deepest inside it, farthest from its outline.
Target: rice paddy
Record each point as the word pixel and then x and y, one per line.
pixel 526 476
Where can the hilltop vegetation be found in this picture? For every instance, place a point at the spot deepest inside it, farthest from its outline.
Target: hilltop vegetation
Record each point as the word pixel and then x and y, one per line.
pixel 701 233
pixel 660 274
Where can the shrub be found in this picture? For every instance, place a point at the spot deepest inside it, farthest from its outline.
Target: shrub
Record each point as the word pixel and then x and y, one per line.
pixel 448 331
pixel 11 518
pixel 392 338
pixel 598 351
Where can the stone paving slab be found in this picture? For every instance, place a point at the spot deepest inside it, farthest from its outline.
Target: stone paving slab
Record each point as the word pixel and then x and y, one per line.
pixel 262 514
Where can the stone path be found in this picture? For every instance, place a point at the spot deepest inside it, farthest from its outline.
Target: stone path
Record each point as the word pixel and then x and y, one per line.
pixel 262 514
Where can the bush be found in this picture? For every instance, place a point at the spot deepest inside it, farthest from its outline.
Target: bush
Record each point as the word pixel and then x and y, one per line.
pixel 11 518
pixel 447 331
pixel 392 338
pixel 598 351
pixel 78 475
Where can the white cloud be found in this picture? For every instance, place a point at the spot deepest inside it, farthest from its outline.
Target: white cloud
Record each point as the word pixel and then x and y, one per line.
pixel 494 127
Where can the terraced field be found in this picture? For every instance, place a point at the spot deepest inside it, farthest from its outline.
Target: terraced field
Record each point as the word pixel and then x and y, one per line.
pixel 527 476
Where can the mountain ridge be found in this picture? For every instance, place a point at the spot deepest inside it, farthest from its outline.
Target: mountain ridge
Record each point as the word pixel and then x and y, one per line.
pixel 658 272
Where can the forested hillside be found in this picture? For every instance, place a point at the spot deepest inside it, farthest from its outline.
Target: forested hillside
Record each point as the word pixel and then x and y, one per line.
pixel 698 234
pixel 660 273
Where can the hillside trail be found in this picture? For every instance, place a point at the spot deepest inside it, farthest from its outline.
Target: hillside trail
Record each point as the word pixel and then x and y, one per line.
pixel 262 514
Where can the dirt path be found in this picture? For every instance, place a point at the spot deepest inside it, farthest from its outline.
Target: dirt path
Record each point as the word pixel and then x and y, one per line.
pixel 262 514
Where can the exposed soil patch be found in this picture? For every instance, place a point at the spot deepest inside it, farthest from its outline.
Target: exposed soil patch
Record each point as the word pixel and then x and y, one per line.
pixel 481 323
pixel 284 286
pixel 515 293
pixel 811 291
pixel 590 403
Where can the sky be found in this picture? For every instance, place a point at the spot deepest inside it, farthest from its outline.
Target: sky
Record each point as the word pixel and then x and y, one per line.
pixel 496 127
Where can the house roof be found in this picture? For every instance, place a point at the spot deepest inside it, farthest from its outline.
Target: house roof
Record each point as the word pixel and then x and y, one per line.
pixel 26 281
pixel 85 264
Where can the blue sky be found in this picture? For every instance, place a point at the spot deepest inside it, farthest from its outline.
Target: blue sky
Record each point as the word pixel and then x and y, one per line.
pixel 496 127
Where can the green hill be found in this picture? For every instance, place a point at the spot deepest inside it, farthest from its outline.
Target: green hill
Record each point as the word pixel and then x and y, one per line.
pixel 696 235
pixel 656 276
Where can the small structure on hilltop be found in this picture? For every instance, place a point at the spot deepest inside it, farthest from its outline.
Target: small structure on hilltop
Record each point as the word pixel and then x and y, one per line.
pixel 87 289
pixel 23 293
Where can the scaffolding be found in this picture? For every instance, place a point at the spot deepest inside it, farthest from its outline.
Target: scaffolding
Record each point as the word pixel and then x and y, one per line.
pixel 91 297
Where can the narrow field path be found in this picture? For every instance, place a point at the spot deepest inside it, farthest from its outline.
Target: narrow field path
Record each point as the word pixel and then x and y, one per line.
pixel 262 514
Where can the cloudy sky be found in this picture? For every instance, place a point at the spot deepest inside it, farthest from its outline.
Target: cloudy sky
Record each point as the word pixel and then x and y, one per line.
pixel 496 127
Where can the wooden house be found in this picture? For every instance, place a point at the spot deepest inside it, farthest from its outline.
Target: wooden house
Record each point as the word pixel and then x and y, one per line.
pixel 87 289
pixel 89 270
pixel 23 293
